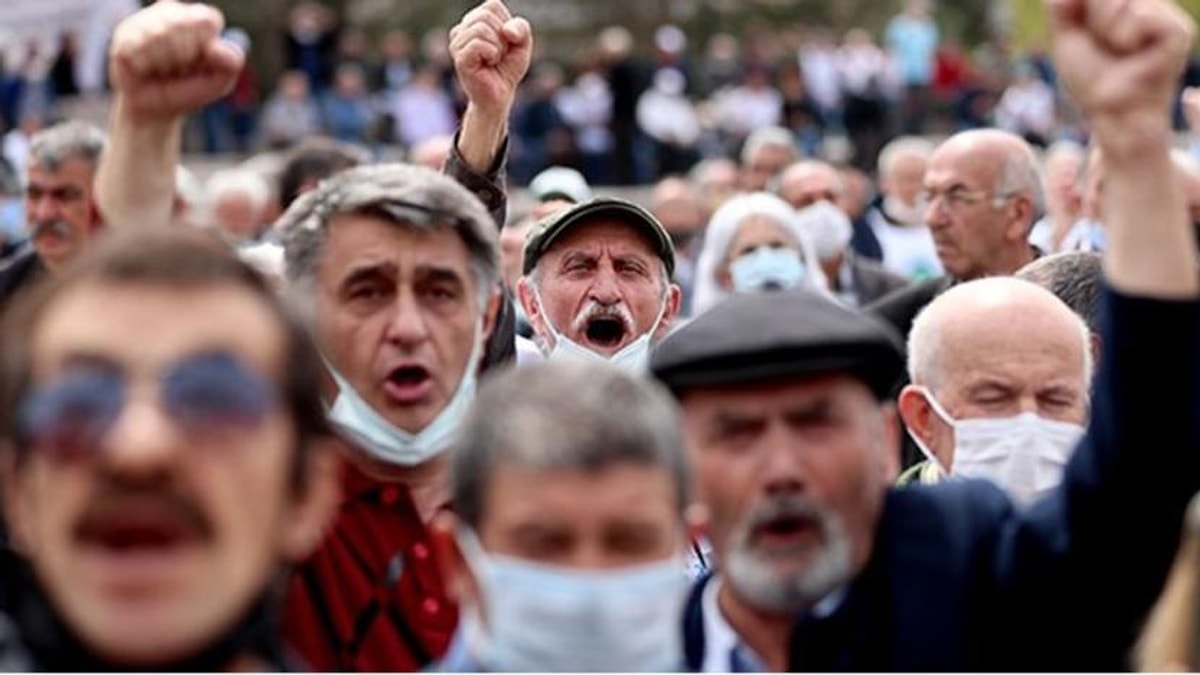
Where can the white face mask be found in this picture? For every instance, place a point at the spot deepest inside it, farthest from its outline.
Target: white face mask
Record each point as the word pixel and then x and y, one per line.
pixel 905 214
pixel 544 618
pixel 1025 454
pixel 828 228
pixel 632 358
pixel 766 267
pixel 352 415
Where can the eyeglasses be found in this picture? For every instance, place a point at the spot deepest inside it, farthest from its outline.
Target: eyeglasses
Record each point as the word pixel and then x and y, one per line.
pixel 957 198
pixel 203 395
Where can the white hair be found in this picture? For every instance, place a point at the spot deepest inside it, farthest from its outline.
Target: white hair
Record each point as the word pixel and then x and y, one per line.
pixel 723 228
pixel 1021 175
pixel 764 137
pixel 249 184
pixel 903 146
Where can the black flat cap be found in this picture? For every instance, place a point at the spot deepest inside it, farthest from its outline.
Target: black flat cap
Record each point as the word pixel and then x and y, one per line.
pixel 550 228
pixel 762 337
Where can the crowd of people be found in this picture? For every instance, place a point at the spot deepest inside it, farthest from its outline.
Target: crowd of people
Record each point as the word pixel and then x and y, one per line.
pixel 619 112
pixel 356 416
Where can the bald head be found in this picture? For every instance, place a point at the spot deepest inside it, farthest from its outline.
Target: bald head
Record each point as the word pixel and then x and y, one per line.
pixel 973 321
pixel 680 208
pixel 807 182
pixel 984 196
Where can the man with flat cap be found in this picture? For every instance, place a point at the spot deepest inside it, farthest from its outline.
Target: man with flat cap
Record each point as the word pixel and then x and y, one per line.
pixel 784 398
pixel 596 283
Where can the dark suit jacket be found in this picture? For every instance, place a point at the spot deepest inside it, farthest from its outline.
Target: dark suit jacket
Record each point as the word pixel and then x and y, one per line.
pixel 960 580
pixel 872 280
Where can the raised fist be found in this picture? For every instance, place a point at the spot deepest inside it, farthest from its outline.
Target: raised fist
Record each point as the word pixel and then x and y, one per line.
pixel 1120 61
pixel 168 60
pixel 491 52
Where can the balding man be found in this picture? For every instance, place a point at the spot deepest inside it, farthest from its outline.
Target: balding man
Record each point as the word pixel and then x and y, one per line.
pixel 996 398
pixel 814 188
pixel 982 195
pixel 680 207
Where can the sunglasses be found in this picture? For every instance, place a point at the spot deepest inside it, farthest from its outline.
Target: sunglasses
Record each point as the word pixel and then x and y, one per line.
pixel 203 395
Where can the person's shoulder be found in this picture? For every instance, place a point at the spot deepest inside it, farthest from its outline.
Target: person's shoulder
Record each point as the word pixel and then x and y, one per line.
pixel 908 299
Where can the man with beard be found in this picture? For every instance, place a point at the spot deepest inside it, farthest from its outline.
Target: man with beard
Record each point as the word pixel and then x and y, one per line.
pixel 597 283
pixel 58 204
pixel 823 567
pixel 398 267
pixel 165 456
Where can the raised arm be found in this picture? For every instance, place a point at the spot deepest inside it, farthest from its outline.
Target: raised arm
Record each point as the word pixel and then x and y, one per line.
pixel 165 61
pixel 1121 62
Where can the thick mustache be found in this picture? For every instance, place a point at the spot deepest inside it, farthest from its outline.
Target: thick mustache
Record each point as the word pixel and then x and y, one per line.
pixel 57 228
pixel 595 310
pixel 114 503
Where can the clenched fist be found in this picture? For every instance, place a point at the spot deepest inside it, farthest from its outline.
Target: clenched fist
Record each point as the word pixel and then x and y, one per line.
pixel 1120 61
pixel 168 60
pixel 491 52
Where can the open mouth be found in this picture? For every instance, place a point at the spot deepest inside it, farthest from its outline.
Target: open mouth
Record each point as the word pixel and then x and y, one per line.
pixel 605 332
pixel 408 384
pixel 785 531
pixel 409 376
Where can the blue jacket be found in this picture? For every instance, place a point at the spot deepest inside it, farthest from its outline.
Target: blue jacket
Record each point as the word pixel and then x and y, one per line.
pixel 959 579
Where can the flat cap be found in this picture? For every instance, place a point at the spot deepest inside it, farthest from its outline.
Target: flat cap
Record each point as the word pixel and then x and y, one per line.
pixel 551 227
pixel 763 337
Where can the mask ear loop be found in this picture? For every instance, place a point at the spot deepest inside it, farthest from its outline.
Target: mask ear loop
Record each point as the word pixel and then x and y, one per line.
pixel 945 417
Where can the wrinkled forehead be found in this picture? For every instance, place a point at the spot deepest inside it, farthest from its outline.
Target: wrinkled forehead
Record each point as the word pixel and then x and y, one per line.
pixel 71 171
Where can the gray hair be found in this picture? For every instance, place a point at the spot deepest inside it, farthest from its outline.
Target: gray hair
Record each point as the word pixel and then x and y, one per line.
pixel 572 415
pixel 379 190
pixel 765 137
pixel 68 140
pixel 902 147
pixel 1021 175
pixel 1076 277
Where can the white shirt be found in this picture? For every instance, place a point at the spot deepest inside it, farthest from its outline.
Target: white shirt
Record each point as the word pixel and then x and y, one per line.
pixel 908 251
pixel 719 637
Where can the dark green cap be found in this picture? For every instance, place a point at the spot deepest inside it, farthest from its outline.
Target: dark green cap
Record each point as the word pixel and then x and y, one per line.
pixel 548 229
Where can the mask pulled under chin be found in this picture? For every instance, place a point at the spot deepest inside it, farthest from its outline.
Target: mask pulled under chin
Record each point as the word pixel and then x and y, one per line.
pixel 632 358
pixel 1025 454
pixel 381 439
pixel 546 618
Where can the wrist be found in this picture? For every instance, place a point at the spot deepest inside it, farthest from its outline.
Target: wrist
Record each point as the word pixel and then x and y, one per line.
pixel 482 136
pixel 128 119
pixel 1133 139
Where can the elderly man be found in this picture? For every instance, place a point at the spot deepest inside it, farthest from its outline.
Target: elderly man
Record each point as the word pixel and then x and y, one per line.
pixel 822 567
pixel 597 283
pixel 399 269
pixel 765 154
pixel 896 221
pixel 1076 278
pixel 58 204
pixel 166 457
pixel 548 581
pixel 982 196
pixel 814 188
pixel 996 398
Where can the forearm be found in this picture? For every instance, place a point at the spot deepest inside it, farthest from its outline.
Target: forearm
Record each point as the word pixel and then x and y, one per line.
pixel 135 182
pixel 1151 249
pixel 482 137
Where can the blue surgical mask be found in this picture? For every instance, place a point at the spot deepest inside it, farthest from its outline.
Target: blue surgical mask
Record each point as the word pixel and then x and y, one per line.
pixel 547 618
pixel 767 268
pixel 632 358
pixel 381 439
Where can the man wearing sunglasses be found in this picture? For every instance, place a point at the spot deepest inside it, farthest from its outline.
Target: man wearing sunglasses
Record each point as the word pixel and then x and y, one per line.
pixel 398 268
pixel 165 456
